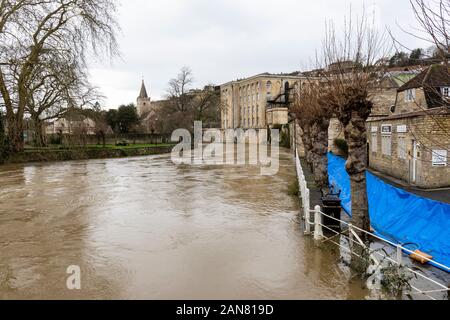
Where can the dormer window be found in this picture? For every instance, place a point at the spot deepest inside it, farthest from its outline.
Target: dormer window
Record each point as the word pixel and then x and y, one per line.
pixel 445 91
pixel 410 95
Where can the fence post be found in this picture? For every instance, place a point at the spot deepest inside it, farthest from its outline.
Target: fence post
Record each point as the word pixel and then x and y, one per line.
pixel 306 209
pixel 399 255
pixel 318 234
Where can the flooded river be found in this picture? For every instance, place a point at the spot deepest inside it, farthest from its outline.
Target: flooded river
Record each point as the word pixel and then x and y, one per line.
pixel 144 228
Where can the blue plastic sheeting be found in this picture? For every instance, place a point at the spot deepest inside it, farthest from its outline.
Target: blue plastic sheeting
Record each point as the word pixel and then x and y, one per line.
pixel 399 216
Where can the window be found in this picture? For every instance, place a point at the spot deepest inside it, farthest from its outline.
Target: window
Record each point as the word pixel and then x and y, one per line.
pixel 410 95
pixel 374 142
pixel 439 158
pixel 445 91
pixel 401 147
pixel 386 139
pixel 269 87
pixel 269 90
pixel 386 147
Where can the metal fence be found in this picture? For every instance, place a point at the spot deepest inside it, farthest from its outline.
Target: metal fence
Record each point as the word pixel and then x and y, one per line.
pixel 385 253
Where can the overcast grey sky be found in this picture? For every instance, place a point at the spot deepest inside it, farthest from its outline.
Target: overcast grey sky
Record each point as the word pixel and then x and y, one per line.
pixel 222 40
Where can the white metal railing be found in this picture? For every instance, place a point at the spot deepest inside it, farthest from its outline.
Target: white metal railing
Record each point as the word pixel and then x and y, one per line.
pixel 377 257
pixel 304 192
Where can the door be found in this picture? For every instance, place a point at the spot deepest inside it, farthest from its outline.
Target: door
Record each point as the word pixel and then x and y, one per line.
pixel 414 162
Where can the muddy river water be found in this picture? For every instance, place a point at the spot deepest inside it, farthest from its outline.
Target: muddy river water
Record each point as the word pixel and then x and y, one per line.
pixel 144 228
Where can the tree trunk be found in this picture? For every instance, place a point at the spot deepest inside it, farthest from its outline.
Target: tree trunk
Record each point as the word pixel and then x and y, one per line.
pixel 353 116
pixel 103 139
pixel 39 134
pixel 3 145
pixel 15 133
pixel 319 132
pixel 307 143
pixel 356 136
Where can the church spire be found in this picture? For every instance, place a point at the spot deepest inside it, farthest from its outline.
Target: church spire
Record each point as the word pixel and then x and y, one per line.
pixel 143 94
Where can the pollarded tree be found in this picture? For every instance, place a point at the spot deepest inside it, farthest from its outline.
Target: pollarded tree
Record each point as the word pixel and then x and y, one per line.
pixel 313 113
pixel 356 57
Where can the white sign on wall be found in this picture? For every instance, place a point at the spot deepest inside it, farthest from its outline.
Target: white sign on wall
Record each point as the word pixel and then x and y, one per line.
pixel 439 158
pixel 374 129
pixel 402 129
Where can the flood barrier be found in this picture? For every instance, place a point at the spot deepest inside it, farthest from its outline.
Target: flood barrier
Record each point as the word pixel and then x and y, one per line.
pixel 399 216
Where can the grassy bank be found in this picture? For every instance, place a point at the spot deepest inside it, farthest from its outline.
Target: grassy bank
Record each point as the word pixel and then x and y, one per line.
pixel 59 153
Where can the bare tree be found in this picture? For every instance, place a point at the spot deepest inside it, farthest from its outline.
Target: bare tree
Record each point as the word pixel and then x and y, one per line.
pixel 32 30
pixel 357 58
pixel 179 88
pixel 313 113
pixel 433 18
pixel 206 105
pixel 434 24
pixel 58 83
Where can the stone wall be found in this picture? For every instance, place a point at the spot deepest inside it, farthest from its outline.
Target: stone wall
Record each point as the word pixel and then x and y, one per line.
pixel 335 131
pixel 383 100
pixel 428 133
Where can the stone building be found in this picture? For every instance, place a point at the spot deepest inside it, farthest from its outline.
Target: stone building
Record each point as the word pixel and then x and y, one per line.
pixel 71 124
pixel 148 111
pixel 412 143
pixel 144 102
pixel 258 102
pixel 383 98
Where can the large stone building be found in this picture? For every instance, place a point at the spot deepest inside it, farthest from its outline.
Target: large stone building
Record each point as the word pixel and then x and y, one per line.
pixel 258 102
pixel 413 142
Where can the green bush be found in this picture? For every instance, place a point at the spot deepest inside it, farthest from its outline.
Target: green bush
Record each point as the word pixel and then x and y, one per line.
pixel 342 145
pixel 55 139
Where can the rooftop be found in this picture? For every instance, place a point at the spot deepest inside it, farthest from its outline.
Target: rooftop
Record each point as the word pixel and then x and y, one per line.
pixel 434 76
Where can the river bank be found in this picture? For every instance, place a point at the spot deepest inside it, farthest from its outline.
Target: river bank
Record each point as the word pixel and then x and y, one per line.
pixel 85 153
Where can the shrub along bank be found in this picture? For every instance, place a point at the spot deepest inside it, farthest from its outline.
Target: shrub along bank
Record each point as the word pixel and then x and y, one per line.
pixel 53 154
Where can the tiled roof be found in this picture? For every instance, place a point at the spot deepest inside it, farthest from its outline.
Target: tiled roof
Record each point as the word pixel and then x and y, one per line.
pixel 432 77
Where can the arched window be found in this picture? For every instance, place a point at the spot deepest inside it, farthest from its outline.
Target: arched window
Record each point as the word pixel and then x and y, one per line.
pixel 286 86
pixel 269 90
pixel 269 87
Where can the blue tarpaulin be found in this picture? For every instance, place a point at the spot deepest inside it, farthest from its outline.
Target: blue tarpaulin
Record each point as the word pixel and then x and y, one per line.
pixel 399 216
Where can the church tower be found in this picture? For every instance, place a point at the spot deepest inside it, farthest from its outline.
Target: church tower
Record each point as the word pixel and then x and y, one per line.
pixel 143 101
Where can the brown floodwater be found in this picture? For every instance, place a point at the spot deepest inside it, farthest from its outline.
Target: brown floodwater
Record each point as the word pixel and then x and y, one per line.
pixel 144 228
